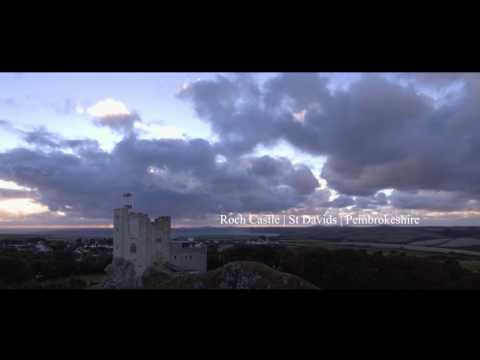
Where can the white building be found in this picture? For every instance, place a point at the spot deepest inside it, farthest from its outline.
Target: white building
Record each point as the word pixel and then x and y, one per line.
pixel 144 243
pixel 41 247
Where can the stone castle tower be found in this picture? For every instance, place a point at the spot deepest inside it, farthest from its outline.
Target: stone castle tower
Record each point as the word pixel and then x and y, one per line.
pixel 144 243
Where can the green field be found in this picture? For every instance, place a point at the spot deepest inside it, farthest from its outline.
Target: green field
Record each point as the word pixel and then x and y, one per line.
pixel 472 265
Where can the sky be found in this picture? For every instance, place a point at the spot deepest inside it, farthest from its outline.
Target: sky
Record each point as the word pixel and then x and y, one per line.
pixel 196 145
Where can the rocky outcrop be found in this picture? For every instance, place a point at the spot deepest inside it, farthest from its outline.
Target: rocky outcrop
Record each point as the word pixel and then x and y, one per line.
pixel 236 275
pixel 120 275
pixel 157 274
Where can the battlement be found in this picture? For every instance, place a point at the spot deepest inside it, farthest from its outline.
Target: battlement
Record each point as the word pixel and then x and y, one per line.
pixel 144 242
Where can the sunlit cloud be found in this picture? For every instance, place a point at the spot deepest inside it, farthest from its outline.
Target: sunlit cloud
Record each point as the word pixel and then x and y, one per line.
pixel 21 207
pixel 10 185
pixel 300 116
pixel 108 107
pixel 185 86
pixel 15 207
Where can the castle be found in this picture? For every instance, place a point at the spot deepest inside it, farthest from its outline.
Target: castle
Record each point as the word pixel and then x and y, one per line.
pixel 145 243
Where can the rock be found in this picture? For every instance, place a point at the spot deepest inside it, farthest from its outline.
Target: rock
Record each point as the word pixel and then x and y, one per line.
pixel 236 275
pixel 155 275
pixel 120 275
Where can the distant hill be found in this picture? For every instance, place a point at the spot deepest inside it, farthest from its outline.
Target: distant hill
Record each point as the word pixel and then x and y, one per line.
pixel 223 231
pixel 443 237
pixel 108 233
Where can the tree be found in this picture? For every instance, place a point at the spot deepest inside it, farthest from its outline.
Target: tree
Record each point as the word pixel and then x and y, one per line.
pixel 14 270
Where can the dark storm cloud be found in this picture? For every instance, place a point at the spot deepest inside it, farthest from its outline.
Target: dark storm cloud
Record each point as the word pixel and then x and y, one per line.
pixel 233 108
pixel 341 202
pixel 375 135
pixel 434 201
pixel 177 177
pixel 42 137
pixel 38 137
pixel 245 115
pixel 299 177
pixel 331 124
pixel 370 202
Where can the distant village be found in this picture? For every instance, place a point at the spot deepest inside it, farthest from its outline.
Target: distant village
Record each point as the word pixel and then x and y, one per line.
pixel 91 247
pixel 80 247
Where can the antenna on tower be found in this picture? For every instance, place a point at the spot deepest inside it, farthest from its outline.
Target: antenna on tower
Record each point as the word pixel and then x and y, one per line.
pixel 127 200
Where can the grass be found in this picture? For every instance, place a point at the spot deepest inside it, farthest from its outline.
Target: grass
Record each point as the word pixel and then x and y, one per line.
pixel 89 279
pixel 471 265
pixel 92 279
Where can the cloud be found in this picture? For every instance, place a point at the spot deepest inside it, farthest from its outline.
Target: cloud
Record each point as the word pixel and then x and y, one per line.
pixel 177 177
pixel 433 200
pixel 322 199
pixel 108 107
pixel 376 135
pixel 44 140
pixel 113 114
pixel 370 202
pixel 9 185
pixel 42 137
pixel 20 207
pixel 437 80
pixel 119 123
pixel 14 194
pixel 5 124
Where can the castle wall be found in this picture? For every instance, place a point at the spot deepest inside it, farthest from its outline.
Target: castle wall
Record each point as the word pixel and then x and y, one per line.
pixel 138 241
pixel 142 242
pixel 120 229
pixel 132 238
pixel 189 257
pixel 161 231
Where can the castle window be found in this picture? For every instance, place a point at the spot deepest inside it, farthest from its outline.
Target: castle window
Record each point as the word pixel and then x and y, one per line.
pixel 175 257
pixel 133 249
